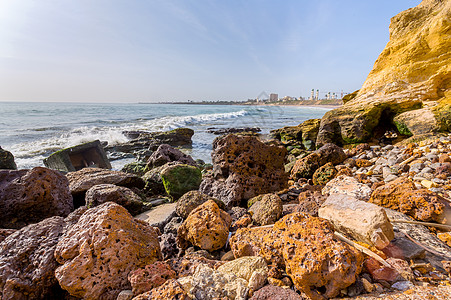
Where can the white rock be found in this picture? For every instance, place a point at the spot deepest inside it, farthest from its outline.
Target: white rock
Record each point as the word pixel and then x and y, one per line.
pixel 348 186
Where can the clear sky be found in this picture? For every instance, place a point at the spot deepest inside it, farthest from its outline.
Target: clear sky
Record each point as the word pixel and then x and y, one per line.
pixel 165 50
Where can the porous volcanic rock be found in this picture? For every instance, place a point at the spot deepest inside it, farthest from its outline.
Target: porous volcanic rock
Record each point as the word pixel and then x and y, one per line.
pixel 306 133
pixel 84 179
pixel 409 79
pixel 401 195
pixel 180 179
pixel 102 193
pixel 267 210
pixel 191 200
pixel 100 250
pixel 27 262
pixel 170 290
pixel 149 277
pixel 7 160
pixel 324 174
pixel 29 196
pixel 206 227
pixel 165 153
pixel 244 167
pixel 318 264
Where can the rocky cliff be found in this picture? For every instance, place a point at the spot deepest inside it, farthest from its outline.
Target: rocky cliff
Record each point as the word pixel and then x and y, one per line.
pixel 408 90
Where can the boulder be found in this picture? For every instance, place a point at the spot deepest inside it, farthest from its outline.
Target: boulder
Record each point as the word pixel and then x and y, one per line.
pixel 331 153
pixel 267 210
pixel 189 201
pixel 305 133
pixel 209 284
pixel 27 263
pixel 305 246
pixel 179 179
pixel 422 204
pixel 271 292
pixel 99 251
pixel 30 196
pixel 324 174
pixel 83 180
pixel 348 186
pixel 244 167
pixel 151 276
pixel 206 227
pixel 102 193
pixel 153 182
pixel 411 73
pixel 170 290
pixel 165 153
pixel 363 221
pixel 7 160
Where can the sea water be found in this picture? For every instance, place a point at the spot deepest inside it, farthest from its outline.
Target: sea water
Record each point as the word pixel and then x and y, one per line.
pixel 33 131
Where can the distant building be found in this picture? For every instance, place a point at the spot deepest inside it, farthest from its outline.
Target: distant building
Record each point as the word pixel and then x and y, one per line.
pixel 273 97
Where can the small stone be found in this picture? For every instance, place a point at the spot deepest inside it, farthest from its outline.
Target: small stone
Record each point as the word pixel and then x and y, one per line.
pixel 402 285
pixel 369 287
pixel 267 210
pixel 125 295
pixel 428 184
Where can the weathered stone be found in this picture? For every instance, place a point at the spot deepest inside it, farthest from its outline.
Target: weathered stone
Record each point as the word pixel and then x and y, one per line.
pixel 102 193
pixel 4 233
pixel 187 265
pixel 189 201
pixel 331 153
pixel 83 180
pixel 7 160
pixel 363 221
pixel 125 295
pixel 151 276
pixel 27 262
pixel 168 245
pixel 324 174
pixel 165 153
pixel 401 195
pixel 206 227
pixel 137 167
pixel 158 216
pixel 403 248
pixel 78 157
pixel 411 73
pixel 245 267
pixel 271 292
pixel 180 179
pixel 173 225
pixel 170 290
pixel 310 202
pixel 306 167
pixel 267 210
pixel 244 167
pixel 29 196
pixel 306 246
pixel 108 242
pixel 305 133
pixel 348 186
pixel 153 182
pixel 207 284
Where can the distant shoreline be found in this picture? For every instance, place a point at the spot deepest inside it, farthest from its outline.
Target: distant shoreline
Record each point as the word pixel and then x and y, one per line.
pixel 302 103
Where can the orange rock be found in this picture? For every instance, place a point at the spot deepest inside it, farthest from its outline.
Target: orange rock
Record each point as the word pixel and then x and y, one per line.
pixel 388 195
pixel 206 227
pixel 170 290
pixel 149 277
pixel 362 163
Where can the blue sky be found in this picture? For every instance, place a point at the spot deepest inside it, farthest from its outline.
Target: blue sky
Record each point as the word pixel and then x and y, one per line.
pixel 163 50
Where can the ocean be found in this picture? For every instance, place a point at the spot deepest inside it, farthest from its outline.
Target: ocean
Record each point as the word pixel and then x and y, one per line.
pixel 32 131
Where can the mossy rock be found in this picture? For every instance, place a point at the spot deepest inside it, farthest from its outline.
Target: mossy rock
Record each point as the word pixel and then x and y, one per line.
pixel 349 97
pixel 136 167
pixel 180 179
pixel 253 200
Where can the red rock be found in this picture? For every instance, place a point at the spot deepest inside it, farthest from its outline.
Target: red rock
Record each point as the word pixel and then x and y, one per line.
pixel 149 277
pixel 379 272
pixel 30 196
pixel 100 250
pixel 206 227
pixel 244 167
pixel 170 290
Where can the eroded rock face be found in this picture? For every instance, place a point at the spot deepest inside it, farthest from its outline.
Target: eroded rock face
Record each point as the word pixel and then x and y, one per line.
pixel 29 196
pixel 102 193
pixel 84 179
pixel 165 153
pixel 267 210
pixel 306 247
pixel 27 262
pixel 100 250
pixel 412 73
pixel 244 167
pixel 401 195
pixel 206 227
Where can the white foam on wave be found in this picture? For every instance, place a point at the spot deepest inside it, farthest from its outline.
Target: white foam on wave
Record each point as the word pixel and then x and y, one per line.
pixel 31 154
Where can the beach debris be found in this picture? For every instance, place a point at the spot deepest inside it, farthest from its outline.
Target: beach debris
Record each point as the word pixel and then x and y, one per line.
pixel 244 167
pixel 78 157
pixel 30 196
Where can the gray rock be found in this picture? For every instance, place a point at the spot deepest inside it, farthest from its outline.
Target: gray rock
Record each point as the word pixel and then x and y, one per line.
pixel 102 193
pixel 159 216
pixel 390 178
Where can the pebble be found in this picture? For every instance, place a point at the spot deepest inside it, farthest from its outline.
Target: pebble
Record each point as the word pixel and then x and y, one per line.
pixel 402 285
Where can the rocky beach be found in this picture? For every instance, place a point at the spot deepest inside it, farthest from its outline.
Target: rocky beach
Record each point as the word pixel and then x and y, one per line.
pixel 356 204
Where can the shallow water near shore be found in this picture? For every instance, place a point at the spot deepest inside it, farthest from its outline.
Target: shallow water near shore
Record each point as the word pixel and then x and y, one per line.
pixel 32 131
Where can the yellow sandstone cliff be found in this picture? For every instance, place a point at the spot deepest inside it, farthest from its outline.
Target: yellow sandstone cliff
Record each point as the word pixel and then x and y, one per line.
pixel 408 89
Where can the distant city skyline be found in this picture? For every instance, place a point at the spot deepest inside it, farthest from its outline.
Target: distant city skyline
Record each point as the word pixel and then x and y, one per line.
pixel 168 50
